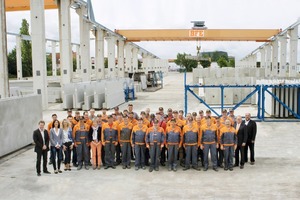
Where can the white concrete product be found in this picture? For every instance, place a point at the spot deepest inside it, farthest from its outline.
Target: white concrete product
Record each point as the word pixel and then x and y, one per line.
pixel 54 94
pixel 293 33
pixel 88 96
pixel 4 85
pixel 275 58
pixel 78 96
pixel 111 43
pixel 17 135
pixel 37 16
pixel 85 62
pixel 99 95
pixel 68 91
pixel 262 58
pixel 99 59
pixel 268 60
pixel 19 57
pixel 143 82
pixel 54 73
pixel 66 60
pixel 128 58
pixel 283 55
pixel 114 93
pixel 121 70
pixel 135 59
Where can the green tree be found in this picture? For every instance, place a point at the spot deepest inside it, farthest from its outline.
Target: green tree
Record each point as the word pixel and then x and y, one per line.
pixel 231 63
pixel 12 63
pixel 222 62
pixel 205 63
pixel 26 50
pixel 182 61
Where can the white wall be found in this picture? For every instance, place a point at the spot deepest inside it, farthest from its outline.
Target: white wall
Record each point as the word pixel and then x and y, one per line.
pixel 19 118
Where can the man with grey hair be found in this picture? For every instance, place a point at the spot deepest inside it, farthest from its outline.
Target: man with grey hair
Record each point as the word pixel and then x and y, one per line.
pixel 242 136
pixel 251 131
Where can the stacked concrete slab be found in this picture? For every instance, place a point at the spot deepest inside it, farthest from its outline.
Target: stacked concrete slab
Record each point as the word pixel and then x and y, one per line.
pixel 228 76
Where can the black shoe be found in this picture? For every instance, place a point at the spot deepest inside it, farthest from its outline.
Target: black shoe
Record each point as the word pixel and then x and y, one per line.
pixel 221 166
pixel 215 169
pixel 50 162
pixel 196 168
pixel 47 172
pixel 128 166
pixel 182 164
pixel 163 164
pixel 252 163
pixel 230 169
pixel 186 168
pixel 242 167
pixel 55 172
pixel 236 165
pixel 156 169
pixel 59 171
pixel 205 169
pixel 123 167
pixel 75 165
pixel 136 168
pixel 38 174
pixel 79 167
pixel 114 167
pixel 106 167
pixel 170 168
pixel 151 169
pixel 225 169
pixel 87 167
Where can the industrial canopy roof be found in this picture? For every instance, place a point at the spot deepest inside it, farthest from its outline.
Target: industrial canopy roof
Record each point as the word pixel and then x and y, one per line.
pixel 19 5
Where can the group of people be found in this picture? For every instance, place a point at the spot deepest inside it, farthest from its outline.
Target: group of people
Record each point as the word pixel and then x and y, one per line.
pixel 148 139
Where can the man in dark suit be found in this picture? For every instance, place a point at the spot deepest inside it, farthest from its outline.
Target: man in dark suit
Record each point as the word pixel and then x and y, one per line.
pixel 41 140
pixel 251 131
pixel 242 136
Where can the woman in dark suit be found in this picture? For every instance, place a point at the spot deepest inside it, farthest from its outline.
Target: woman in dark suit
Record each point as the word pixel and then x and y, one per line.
pixel 41 140
pixel 56 141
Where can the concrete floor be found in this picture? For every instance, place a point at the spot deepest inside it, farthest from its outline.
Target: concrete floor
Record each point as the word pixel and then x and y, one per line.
pixel 276 174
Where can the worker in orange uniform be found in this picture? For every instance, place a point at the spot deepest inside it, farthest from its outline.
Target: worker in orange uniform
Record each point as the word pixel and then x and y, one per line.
pixel 109 141
pixel 87 120
pixel 124 135
pixel 209 142
pixel 228 144
pixel 190 137
pixel 198 123
pixel 208 114
pixel 224 117
pixel 138 142
pixel 82 143
pixel 173 143
pixel 131 119
pixel 155 140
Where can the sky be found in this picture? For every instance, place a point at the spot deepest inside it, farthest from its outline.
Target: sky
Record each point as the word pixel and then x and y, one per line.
pixel 177 14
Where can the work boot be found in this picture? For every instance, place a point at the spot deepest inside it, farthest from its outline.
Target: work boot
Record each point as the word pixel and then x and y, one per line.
pixel 79 167
pixel 128 166
pixel 86 167
pixel 174 169
pixel 196 168
pixel 156 169
pixel 186 168
pixel 205 169
pixel 242 167
pixel 106 167
pixel 136 168
pixel 123 167
pixel 225 168
pixel 230 169
pixel 151 169
pixel 215 169
pixel 143 167
pixel 170 168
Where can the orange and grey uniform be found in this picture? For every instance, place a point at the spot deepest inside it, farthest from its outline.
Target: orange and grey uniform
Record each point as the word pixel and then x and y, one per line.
pixel 228 140
pixel 81 139
pixel 220 152
pixel 222 120
pixel 138 138
pixel 155 138
pixel 190 137
pixel 110 138
pixel 209 139
pixel 173 140
pixel 124 135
